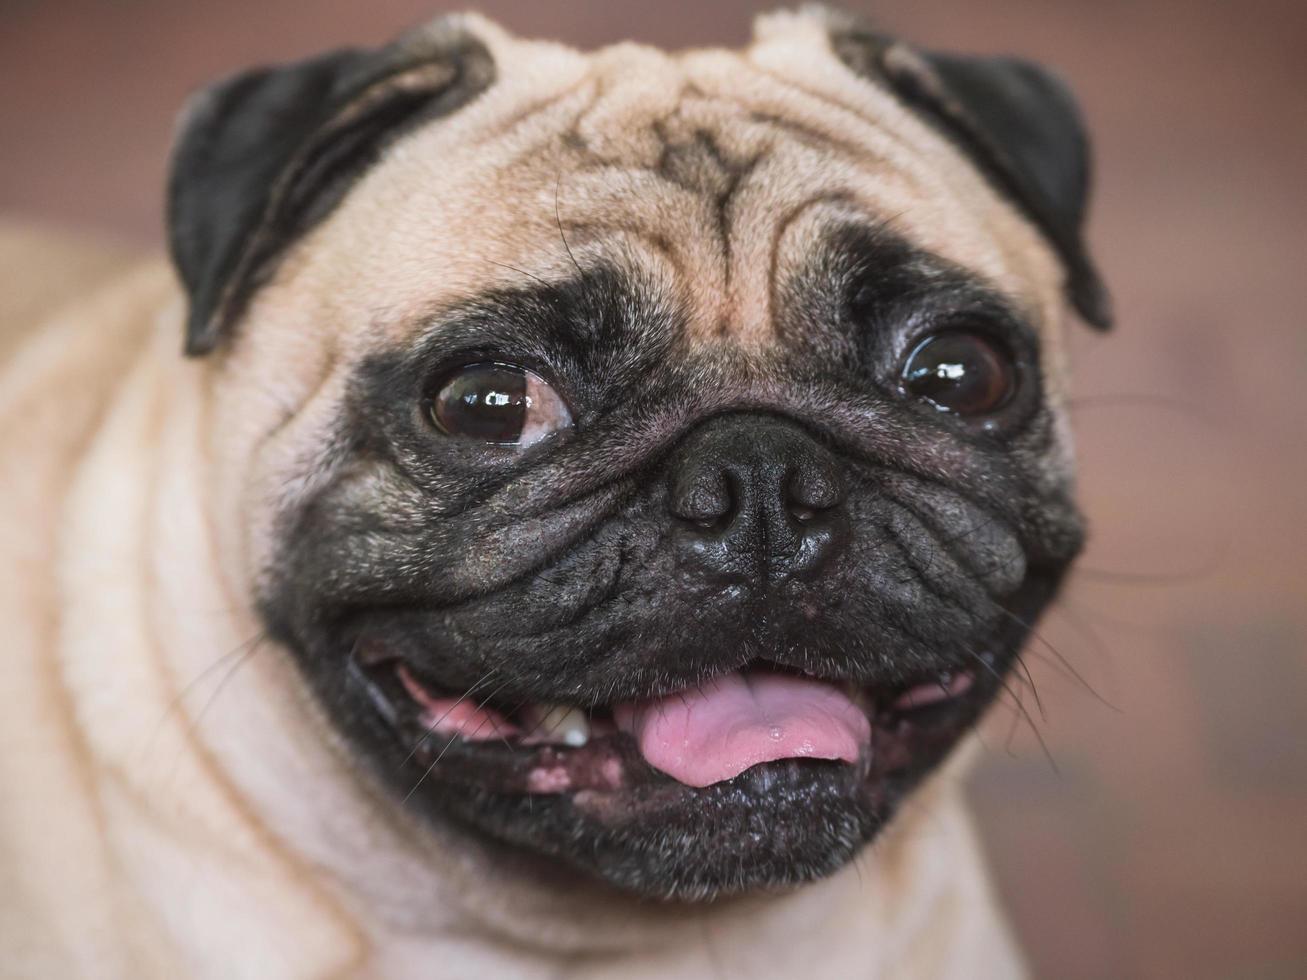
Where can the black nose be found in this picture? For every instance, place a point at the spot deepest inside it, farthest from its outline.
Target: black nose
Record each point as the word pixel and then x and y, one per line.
pixel 756 500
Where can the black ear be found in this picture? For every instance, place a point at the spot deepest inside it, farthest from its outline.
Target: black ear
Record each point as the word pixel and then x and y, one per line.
pixel 266 154
pixel 1019 124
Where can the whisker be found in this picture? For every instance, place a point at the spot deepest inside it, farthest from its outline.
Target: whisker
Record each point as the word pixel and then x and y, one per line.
pixel 430 728
pixel 520 272
pixel 1083 628
pixel 431 768
pixel 558 217
pixel 1020 706
pixel 434 762
pixel 1034 689
pixel 243 659
pixel 1031 631
pixel 240 652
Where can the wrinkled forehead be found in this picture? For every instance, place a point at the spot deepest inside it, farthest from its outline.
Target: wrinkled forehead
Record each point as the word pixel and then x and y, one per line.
pixel 716 174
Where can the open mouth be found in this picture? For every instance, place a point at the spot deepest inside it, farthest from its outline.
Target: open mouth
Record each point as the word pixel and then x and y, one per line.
pixel 759 718
pixel 757 774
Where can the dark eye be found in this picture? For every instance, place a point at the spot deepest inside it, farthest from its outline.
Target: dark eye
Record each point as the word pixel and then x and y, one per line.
pixel 961 372
pixel 501 404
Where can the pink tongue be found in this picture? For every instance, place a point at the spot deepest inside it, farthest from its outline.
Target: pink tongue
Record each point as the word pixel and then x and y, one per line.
pixel 716 731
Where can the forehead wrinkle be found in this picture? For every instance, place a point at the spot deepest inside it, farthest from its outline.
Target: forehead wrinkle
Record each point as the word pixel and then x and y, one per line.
pixel 687 205
pixel 824 118
pixel 598 202
pixel 862 139
pixel 636 87
pixel 533 169
pixel 802 142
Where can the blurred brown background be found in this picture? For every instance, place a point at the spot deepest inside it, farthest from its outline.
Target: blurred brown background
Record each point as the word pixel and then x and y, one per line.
pixel 1171 840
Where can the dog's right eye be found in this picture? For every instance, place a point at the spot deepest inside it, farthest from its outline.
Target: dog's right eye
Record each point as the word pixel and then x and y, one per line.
pixel 500 404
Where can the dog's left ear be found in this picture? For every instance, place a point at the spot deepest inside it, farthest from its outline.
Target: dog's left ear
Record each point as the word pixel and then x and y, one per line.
pixel 266 154
pixel 1014 119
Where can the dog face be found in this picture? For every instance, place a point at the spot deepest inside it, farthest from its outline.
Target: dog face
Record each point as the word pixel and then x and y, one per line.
pixel 653 462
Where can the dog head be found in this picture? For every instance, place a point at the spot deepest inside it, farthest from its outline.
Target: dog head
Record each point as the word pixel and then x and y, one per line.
pixel 653 462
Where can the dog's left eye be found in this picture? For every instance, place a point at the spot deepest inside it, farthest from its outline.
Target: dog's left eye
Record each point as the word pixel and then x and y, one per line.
pixel 961 372
pixel 501 404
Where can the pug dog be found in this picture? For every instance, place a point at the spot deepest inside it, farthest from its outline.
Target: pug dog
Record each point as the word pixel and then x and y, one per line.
pixel 603 492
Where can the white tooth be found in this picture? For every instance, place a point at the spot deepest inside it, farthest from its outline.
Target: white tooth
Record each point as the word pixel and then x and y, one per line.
pixel 561 723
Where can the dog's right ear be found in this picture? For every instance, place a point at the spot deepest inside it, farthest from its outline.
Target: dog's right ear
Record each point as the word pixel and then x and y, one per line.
pixel 1016 122
pixel 265 155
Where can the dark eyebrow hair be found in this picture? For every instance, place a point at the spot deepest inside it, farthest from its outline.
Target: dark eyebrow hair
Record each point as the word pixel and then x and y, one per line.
pixel 599 307
pixel 863 279
pixel 596 331
pixel 888 269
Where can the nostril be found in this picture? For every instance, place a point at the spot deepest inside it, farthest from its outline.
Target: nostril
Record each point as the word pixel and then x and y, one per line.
pixel 705 500
pixel 708 523
pixel 812 490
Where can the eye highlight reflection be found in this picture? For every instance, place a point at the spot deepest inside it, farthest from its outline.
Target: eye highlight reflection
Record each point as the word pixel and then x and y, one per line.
pixel 498 404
